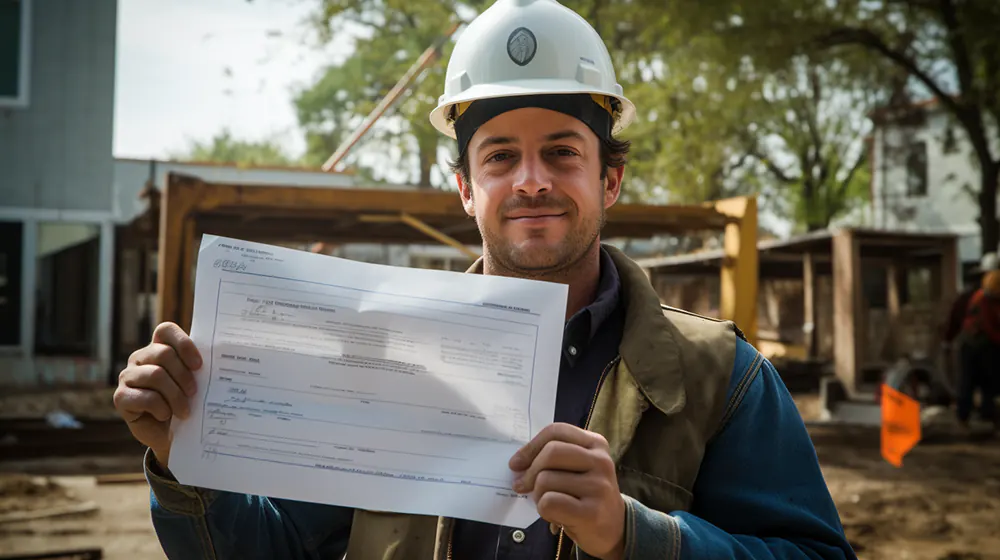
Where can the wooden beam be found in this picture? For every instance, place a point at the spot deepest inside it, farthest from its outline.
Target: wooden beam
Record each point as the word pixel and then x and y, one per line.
pixel 190 207
pixel 892 278
pixel 427 58
pixel 949 274
pixel 809 305
pixel 178 199
pixel 739 274
pixel 427 230
pixel 847 309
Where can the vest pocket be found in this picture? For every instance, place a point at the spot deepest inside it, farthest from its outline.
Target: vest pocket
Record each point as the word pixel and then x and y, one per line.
pixel 652 491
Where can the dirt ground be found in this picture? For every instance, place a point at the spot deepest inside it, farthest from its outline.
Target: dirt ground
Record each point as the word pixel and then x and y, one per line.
pixel 944 504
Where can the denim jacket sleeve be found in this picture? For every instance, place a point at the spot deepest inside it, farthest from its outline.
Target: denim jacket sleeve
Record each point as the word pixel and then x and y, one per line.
pixel 760 493
pixel 196 523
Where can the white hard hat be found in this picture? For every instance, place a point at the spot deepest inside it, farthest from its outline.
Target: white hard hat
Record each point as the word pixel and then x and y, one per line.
pixel 989 262
pixel 529 47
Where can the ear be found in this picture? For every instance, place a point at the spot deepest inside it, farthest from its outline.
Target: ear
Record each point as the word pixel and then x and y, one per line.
pixel 465 191
pixel 613 185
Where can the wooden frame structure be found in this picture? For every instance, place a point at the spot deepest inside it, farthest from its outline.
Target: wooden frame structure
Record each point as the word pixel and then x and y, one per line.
pixel 841 255
pixel 190 207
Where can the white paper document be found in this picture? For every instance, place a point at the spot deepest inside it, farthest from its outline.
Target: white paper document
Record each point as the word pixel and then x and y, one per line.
pixel 368 386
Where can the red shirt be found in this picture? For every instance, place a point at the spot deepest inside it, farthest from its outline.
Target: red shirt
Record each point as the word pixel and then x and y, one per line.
pixel 983 316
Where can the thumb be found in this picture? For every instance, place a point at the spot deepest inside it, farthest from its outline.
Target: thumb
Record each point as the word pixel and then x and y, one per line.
pixel 151 432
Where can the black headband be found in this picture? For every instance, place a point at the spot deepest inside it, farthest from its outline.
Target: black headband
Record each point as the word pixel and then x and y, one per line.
pixel 578 105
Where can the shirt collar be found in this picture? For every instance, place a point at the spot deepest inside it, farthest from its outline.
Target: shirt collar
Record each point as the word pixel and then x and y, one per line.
pixel 584 324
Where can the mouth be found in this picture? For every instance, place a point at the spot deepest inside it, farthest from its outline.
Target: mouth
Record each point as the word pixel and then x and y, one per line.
pixel 537 219
pixel 529 216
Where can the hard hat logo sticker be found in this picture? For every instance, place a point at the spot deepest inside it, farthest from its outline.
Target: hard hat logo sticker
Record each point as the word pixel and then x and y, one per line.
pixel 521 46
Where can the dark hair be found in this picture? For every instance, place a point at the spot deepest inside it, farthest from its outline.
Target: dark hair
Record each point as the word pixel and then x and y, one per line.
pixel 614 153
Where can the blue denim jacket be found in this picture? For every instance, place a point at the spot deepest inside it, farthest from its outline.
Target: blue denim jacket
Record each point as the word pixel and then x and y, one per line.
pixel 759 494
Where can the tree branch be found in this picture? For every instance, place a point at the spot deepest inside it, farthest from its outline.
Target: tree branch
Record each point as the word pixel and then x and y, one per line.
pixel 923 4
pixel 959 48
pixel 846 183
pixel 816 90
pixel 870 40
pixel 778 173
pixel 991 88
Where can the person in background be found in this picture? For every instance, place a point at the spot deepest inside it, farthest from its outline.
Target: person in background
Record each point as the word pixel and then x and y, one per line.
pixel 980 347
pixel 951 338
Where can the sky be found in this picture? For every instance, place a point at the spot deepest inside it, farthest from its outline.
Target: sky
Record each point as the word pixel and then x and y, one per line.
pixel 187 69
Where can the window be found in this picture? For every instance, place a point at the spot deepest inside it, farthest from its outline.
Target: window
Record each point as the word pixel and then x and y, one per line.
pixel 68 260
pixel 15 42
pixel 916 169
pixel 10 282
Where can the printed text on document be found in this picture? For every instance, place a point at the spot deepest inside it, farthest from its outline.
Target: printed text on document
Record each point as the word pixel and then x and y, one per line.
pixel 367 386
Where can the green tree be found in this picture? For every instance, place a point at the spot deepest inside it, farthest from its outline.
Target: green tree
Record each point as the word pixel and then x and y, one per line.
pixel 809 139
pixel 223 148
pixel 729 110
pixel 389 36
pixel 946 48
pixel 951 48
pixel 717 117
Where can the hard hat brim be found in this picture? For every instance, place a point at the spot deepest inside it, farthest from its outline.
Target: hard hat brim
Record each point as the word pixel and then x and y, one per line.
pixel 513 88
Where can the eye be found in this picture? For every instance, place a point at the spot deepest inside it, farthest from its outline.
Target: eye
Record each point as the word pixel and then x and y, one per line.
pixel 564 152
pixel 498 157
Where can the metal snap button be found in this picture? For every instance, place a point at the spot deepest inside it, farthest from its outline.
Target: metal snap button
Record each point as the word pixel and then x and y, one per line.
pixel 518 536
pixel 572 350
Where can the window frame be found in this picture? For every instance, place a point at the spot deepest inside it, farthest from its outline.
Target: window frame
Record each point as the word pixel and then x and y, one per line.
pixel 23 98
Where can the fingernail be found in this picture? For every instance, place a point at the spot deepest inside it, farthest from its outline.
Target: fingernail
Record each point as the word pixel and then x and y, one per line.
pixel 518 485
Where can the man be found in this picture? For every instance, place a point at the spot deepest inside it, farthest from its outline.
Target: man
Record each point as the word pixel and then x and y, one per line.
pixel 980 347
pixel 673 437
pixel 952 336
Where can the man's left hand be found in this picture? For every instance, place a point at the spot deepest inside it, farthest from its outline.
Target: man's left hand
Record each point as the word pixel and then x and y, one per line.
pixel 571 478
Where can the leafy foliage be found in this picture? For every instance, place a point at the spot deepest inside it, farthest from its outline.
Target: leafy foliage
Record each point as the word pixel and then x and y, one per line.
pixel 223 148
pixel 734 96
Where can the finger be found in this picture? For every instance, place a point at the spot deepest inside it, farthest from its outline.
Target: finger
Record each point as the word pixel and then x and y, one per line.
pixel 133 403
pixel 562 509
pixel 578 485
pixel 166 357
pixel 556 456
pixel 554 432
pixel 155 378
pixel 175 337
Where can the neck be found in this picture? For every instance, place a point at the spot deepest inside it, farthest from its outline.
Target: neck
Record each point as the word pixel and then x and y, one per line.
pixel 581 276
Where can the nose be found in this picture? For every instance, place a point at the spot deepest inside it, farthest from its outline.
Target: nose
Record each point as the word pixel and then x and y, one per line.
pixel 532 177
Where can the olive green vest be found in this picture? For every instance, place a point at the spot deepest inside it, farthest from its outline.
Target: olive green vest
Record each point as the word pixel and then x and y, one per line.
pixel 674 362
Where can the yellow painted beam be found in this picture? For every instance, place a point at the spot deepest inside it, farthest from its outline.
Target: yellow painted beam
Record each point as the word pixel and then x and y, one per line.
pixel 424 228
pixel 740 266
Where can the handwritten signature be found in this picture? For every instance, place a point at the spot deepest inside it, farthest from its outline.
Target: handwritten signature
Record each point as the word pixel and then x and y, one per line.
pixel 229 264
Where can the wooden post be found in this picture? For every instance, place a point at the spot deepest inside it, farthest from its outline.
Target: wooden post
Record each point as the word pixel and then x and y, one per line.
pixel 847 324
pixel 127 321
pixel 809 304
pixel 948 282
pixel 190 240
pixel 739 274
pixel 892 275
pixel 949 275
pixel 179 197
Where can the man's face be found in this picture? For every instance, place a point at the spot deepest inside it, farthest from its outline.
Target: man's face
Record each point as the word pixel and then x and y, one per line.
pixel 537 193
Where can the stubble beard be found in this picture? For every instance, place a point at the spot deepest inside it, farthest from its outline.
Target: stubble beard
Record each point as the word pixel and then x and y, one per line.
pixel 555 263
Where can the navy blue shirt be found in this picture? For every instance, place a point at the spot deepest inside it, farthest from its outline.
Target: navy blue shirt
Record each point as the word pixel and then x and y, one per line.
pixel 590 344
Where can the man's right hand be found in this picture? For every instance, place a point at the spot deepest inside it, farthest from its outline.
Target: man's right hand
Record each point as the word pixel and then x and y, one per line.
pixel 157 385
